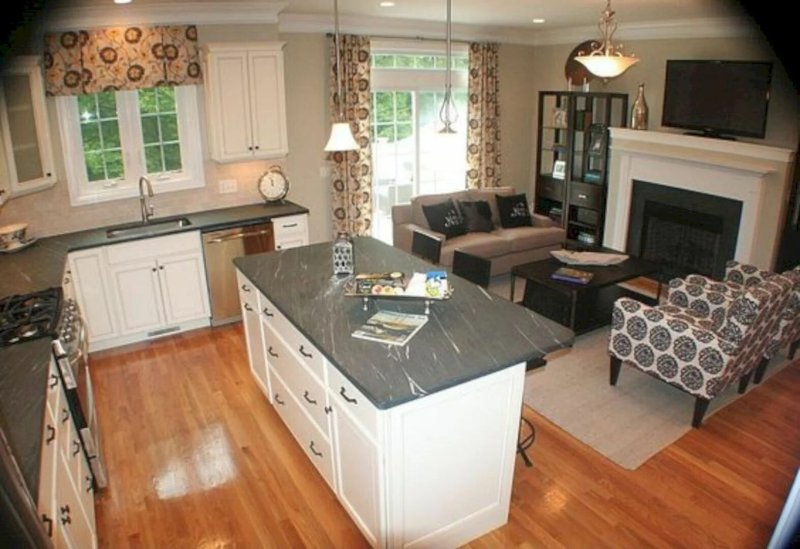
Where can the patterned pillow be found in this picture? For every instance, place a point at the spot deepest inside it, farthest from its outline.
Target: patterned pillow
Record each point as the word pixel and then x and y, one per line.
pixel 445 217
pixel 514 211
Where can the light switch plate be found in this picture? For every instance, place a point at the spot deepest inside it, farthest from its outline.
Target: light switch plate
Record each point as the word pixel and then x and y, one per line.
pixel 228 186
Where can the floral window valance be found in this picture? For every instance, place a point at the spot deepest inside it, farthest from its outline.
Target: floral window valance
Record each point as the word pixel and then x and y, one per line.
pixel 121 58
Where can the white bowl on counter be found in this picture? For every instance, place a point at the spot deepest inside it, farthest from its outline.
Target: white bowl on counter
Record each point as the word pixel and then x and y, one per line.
pixel 13 235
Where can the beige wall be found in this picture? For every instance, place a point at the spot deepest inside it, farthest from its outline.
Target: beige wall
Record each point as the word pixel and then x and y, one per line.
pixel 517 107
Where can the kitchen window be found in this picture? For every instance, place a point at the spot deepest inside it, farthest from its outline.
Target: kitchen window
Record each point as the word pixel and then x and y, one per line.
pixel 111 139
pixel 409 155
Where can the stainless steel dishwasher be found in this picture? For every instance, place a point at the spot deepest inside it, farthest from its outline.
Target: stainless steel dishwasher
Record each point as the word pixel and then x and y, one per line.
pixel 219 249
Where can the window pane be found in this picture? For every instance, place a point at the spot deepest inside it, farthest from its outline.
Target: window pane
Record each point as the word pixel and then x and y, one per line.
pixel 90 133
pixel 152 155
pixel 172 157
pixel 386 131
pixel 169 127
pixel 403 105
pixel 87 107
pixel 383 106
pixel 110 132
pixel 107 102
pixel 441 62
pixel 95 167
pixel 150 129
pixel 166 99
pixel 404 61
pixel 160 130
pixel 425 62
pixel 147 101
pixel 114 167
pixel 404 131
pixel 100 140
pixel 383 60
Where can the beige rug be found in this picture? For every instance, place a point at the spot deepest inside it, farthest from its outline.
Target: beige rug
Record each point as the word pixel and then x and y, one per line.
pixel 628 423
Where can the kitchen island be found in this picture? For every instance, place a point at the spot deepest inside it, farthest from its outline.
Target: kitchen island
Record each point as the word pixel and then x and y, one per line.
pixel 417 442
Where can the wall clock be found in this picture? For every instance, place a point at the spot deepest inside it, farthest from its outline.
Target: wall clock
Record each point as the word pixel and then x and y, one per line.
pixel 273 185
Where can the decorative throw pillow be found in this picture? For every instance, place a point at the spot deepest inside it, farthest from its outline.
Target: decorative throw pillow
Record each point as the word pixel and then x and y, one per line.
pixel 514 211
pixel 477 216
pixel 444 217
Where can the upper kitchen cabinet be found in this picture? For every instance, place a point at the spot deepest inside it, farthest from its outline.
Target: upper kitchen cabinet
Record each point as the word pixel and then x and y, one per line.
pixel 246 101
pixel 27 151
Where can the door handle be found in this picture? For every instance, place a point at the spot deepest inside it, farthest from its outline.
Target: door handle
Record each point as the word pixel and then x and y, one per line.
pixel 309 399
pixel 314 450
pixel 267 313
pixel 278 399
pixel 347 398
pixel 304 353
pixel 247 307
pixel 272 353
pixel 238 236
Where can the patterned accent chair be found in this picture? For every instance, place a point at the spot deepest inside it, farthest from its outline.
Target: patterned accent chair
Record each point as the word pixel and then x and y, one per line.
pixel 696 351
pixel 738 276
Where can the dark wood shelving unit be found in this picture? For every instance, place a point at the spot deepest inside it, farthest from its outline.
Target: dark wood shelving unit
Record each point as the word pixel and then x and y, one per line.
pixel 573 132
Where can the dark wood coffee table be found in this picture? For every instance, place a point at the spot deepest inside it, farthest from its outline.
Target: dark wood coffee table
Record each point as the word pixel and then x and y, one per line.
pixel 580 307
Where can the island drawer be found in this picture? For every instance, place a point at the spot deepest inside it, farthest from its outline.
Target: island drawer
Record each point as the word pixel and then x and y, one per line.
pixel 314 444
pixel 353 400
pixel 308 391
pixel 307 353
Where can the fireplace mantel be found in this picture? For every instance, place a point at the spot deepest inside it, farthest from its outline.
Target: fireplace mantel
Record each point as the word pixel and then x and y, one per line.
pixel 757 175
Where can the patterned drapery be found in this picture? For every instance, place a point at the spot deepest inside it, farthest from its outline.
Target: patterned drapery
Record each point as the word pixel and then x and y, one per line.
pixel 483 117
pixel 121 58
pixel 352 170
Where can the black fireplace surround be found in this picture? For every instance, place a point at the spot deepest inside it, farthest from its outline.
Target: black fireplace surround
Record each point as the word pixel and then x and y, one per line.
pixel 683 231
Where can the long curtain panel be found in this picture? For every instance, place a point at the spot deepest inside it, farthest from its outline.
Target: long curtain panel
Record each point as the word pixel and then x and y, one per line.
pixel 352 170
pixel 483 117
pixel 121 58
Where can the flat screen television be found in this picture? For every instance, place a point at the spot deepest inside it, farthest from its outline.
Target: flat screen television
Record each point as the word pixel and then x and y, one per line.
pixel 717 98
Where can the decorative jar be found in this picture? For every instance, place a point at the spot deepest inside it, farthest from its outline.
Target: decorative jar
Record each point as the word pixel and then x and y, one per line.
pixel 343 263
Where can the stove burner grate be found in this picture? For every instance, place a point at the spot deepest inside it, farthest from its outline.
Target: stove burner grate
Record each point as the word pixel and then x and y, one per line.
pixel 30 316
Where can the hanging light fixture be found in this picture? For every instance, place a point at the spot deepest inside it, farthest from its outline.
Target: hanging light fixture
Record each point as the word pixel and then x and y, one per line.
pixel 341 138
pixel 607 60
pixel 448 113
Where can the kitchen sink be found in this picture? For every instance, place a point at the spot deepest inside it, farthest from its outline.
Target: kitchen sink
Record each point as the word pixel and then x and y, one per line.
pixel 154 227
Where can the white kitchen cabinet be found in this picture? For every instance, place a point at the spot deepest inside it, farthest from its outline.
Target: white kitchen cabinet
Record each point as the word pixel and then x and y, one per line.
pixel 158 283
pixel 248 296
pixel 290 231
pixel 27 150
pixel 94 294
pixel 246 101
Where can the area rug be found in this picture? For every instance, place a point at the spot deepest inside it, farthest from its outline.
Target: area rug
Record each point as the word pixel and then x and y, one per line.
pixel 628 423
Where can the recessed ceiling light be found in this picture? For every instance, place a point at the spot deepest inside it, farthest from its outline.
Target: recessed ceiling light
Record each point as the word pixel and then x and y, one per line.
pixel 122 1
pixel 386 4
pixel 538 20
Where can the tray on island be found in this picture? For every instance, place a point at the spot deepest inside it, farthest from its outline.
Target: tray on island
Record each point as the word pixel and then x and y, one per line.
pixel 431 286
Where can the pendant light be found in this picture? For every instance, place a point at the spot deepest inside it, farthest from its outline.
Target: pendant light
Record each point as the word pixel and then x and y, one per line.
pixel 448 113
pixel 607 60
pixel 341 138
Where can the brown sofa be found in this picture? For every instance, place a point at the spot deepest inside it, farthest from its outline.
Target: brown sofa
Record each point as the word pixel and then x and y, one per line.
pixel 504 247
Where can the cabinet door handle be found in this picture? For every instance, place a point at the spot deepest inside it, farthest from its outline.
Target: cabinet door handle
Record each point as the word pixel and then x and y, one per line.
pixel 49 522
pixel 53 381
pixel 245 288
pixel 272 353
pixel 66 280
pixel 65 518
pixel 247 307
pixel 89 486
pixel 304 353
pixel 51 434
pixel 278 399
pixel 160 267
pixel 250 148
pixel 347 398
pixel 309 399
pixel 76 447
pixel 267 313
pixel 314 450
pixel 64 415
pixel 257 147
pixel 154 269
pixel 328 409
pixel 289 225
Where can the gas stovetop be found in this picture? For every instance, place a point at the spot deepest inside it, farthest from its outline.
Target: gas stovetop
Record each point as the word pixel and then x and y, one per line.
pixel 30 316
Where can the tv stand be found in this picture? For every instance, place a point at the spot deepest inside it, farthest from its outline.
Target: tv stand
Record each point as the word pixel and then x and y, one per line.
pixel 713 135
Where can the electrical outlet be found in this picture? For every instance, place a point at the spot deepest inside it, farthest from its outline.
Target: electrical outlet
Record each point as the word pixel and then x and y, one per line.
pixel 228 185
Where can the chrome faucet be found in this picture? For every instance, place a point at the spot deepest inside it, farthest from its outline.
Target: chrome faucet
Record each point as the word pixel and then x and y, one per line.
pixel 147 209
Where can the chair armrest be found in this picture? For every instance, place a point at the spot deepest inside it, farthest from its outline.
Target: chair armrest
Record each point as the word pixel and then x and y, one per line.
pixel 744 274
pixel 401 213
pixel 701 299
pixel 403 235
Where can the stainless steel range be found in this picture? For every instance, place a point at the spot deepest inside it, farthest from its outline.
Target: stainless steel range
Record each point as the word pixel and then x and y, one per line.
pixel 47 314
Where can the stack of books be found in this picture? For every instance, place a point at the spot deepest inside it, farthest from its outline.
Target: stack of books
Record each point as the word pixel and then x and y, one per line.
pixel 568 274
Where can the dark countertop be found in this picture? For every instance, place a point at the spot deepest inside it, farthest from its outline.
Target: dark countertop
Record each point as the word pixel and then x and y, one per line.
pixel 23 367
pixel 471 335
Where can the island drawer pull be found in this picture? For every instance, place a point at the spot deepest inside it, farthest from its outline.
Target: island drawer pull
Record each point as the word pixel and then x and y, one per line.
pixel 53 381
pixel 272 353
pixel 309 399
pixel 65 518
pixel 76 447
pixel 267 313
pixel 49 522
pixel 314 450
pixel 51 434
pixel 278 399
pixel 88 479
pixel 248 308
pixel 304 353
pixel 347 398
pixel 64 415
pixel 245 288
pixel 328 409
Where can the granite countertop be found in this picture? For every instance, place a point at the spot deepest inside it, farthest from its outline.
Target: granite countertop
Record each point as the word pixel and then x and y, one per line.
pixel 24 366
pixel 473 334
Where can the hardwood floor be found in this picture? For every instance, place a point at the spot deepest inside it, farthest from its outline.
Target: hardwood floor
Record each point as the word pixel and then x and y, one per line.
pixel 196 457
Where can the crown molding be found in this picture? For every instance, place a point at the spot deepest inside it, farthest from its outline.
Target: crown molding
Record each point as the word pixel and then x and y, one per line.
pixel 198 13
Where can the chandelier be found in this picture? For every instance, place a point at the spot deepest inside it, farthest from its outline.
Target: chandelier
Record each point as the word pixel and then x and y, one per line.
pixel 448 113
pixel 607 60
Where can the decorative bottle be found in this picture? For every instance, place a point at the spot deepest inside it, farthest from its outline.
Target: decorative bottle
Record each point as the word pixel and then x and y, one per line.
pixel 343 255
pixel 639 111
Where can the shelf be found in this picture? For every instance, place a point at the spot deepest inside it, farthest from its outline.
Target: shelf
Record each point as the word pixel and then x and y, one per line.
pixel 582 225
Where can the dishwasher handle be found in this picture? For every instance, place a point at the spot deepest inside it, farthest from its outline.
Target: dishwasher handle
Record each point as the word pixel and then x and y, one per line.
pixel 237 236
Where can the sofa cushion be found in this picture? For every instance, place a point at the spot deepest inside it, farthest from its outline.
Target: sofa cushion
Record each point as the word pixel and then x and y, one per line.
pixel 477 216
pixel 529 238
pixel 490 195
pixel 445 217
pixel 514 211
pixel 418 216
pixel 481 244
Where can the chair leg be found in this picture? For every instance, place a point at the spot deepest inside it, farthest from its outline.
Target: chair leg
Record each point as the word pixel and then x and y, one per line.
pixel 524 443
pixel 744 381
pixel 616 366
pixel 700 407
pixel 760 371
pixel 793 348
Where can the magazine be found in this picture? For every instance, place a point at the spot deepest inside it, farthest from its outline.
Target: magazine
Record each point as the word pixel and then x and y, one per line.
pixel 568 274
pixel 391 327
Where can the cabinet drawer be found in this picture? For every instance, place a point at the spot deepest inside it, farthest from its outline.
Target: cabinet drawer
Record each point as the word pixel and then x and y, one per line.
pixel 248 293
pixel 314 444
pixel 586 196
pixel 297 342
pixel 353 400
pixel 153 247
pixel 308 391
pixel 550 188
pixel 290 224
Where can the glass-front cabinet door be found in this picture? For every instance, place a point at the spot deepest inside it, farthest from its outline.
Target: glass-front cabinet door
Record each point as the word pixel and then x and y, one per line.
pixel 27 152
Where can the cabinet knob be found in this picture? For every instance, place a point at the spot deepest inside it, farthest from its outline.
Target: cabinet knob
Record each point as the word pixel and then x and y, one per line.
pixel 257 147
pixel 249 148
pixel 154 269
pixel 161 267
pixel 49 174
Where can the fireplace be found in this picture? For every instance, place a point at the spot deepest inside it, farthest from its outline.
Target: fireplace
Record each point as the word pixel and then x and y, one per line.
pixel 683 231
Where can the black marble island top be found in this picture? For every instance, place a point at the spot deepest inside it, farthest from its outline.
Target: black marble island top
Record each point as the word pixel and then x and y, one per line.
pixel 473 334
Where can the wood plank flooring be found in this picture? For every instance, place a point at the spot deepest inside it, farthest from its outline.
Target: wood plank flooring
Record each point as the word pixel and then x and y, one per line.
pixel 196 457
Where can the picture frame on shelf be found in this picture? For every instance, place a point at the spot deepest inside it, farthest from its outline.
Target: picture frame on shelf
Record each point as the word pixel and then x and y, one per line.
pixel 560 117
pixel 559 169
pixel 597 139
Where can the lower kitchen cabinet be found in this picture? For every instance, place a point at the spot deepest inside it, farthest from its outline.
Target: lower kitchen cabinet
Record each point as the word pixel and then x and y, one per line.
pixel 91 286
pixel 290 231
pixel 248 297
pixel 138 296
